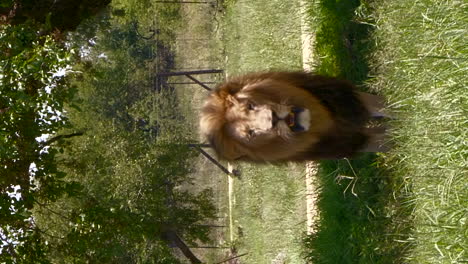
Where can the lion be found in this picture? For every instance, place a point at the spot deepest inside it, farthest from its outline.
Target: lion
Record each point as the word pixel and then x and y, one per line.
pixel 289 116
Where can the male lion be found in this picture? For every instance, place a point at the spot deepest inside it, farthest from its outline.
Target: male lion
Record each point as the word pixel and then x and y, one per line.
pixel 289 116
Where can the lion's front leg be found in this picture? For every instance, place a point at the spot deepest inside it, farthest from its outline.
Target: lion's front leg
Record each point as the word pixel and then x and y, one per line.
pixel 374 104
pixel 377 141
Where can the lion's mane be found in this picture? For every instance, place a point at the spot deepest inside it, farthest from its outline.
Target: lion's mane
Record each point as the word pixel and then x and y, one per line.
pixel 337 122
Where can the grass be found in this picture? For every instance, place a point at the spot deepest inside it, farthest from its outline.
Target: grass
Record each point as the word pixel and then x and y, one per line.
pixel 269 205
pixel 269 213
pixel 425 81
pixel 342 42
pixel 262 35
pixel 411 203
pixel 405 206
pixel 358 215
pixel 268 201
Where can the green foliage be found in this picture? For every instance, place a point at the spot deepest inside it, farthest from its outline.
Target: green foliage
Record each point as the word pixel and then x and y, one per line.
pixel 132 161
pixel 131 195
pixel 50 16
pixel 150 15
pixel 123 69
pixel 33 92
pixel 111 193
pixel 6 3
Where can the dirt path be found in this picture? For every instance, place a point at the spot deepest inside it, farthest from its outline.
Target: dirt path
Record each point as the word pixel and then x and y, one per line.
pixel 307 39
pixel 311 167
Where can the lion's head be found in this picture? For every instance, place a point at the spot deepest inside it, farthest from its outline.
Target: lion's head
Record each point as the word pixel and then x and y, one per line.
pixel 262 119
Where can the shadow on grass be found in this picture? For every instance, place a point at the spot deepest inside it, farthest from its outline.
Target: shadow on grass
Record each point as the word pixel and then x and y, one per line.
pixel 343 40
pixel 361 218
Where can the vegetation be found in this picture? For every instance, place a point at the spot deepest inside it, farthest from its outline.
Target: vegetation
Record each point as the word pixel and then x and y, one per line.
pixel 32 96
pixel 93 171
pixel 269 213
pixel 341 32
pixel 93 145
pixel 421 67
pixel 257 38
pixel 409 205
pixel 50 16
pixel 269 205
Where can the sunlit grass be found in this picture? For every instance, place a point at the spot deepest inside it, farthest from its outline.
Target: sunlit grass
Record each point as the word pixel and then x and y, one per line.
pixel 269 213
pixel 422 68
pixel 262 35
pixel 269 204
pixel 411 204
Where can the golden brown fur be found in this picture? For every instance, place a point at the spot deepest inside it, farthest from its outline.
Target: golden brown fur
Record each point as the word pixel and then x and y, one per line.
pixel 282 116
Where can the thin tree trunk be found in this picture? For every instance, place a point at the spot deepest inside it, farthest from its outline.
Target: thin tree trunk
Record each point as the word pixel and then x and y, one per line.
pixel 174 238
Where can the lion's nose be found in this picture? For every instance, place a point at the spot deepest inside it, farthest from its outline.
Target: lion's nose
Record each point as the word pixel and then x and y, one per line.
pixel 274 119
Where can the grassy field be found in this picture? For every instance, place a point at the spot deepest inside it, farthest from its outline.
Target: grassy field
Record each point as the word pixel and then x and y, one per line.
pixel 268 213
pixel 269 205
pixel 411 203
pixel 262 35
pixel 421 65
pixel 405 206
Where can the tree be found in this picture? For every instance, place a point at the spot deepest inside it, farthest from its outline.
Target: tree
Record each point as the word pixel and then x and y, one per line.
pixel 131 198
pixel 99 188
pixel 52 15
pixel 126 168
pixel 32 95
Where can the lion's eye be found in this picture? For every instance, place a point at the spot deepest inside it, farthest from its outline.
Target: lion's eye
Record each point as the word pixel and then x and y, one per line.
pixel 250 106
pixel 251 132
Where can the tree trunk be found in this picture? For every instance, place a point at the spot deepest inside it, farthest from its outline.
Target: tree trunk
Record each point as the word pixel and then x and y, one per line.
pixel 176 240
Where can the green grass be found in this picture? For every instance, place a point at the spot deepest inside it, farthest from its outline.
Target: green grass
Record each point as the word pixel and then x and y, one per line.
pixel 411 203
pixel 269 213
pixel 269 205
pixel 422 67
pixel 405 206
pixel 341 41
pixel 262 35
pixel 358 215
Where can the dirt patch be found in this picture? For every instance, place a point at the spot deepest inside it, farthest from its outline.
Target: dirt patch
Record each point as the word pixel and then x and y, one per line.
pixel 311 167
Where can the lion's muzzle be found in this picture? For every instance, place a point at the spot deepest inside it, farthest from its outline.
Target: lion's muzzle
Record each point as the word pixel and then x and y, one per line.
pixel 297 119
pixel 297 123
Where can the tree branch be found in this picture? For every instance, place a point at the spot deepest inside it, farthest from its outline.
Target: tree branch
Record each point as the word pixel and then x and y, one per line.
pixel 59 137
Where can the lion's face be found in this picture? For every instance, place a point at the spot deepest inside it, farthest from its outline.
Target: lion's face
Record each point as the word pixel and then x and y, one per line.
pixel 262 120
pixel 255 123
